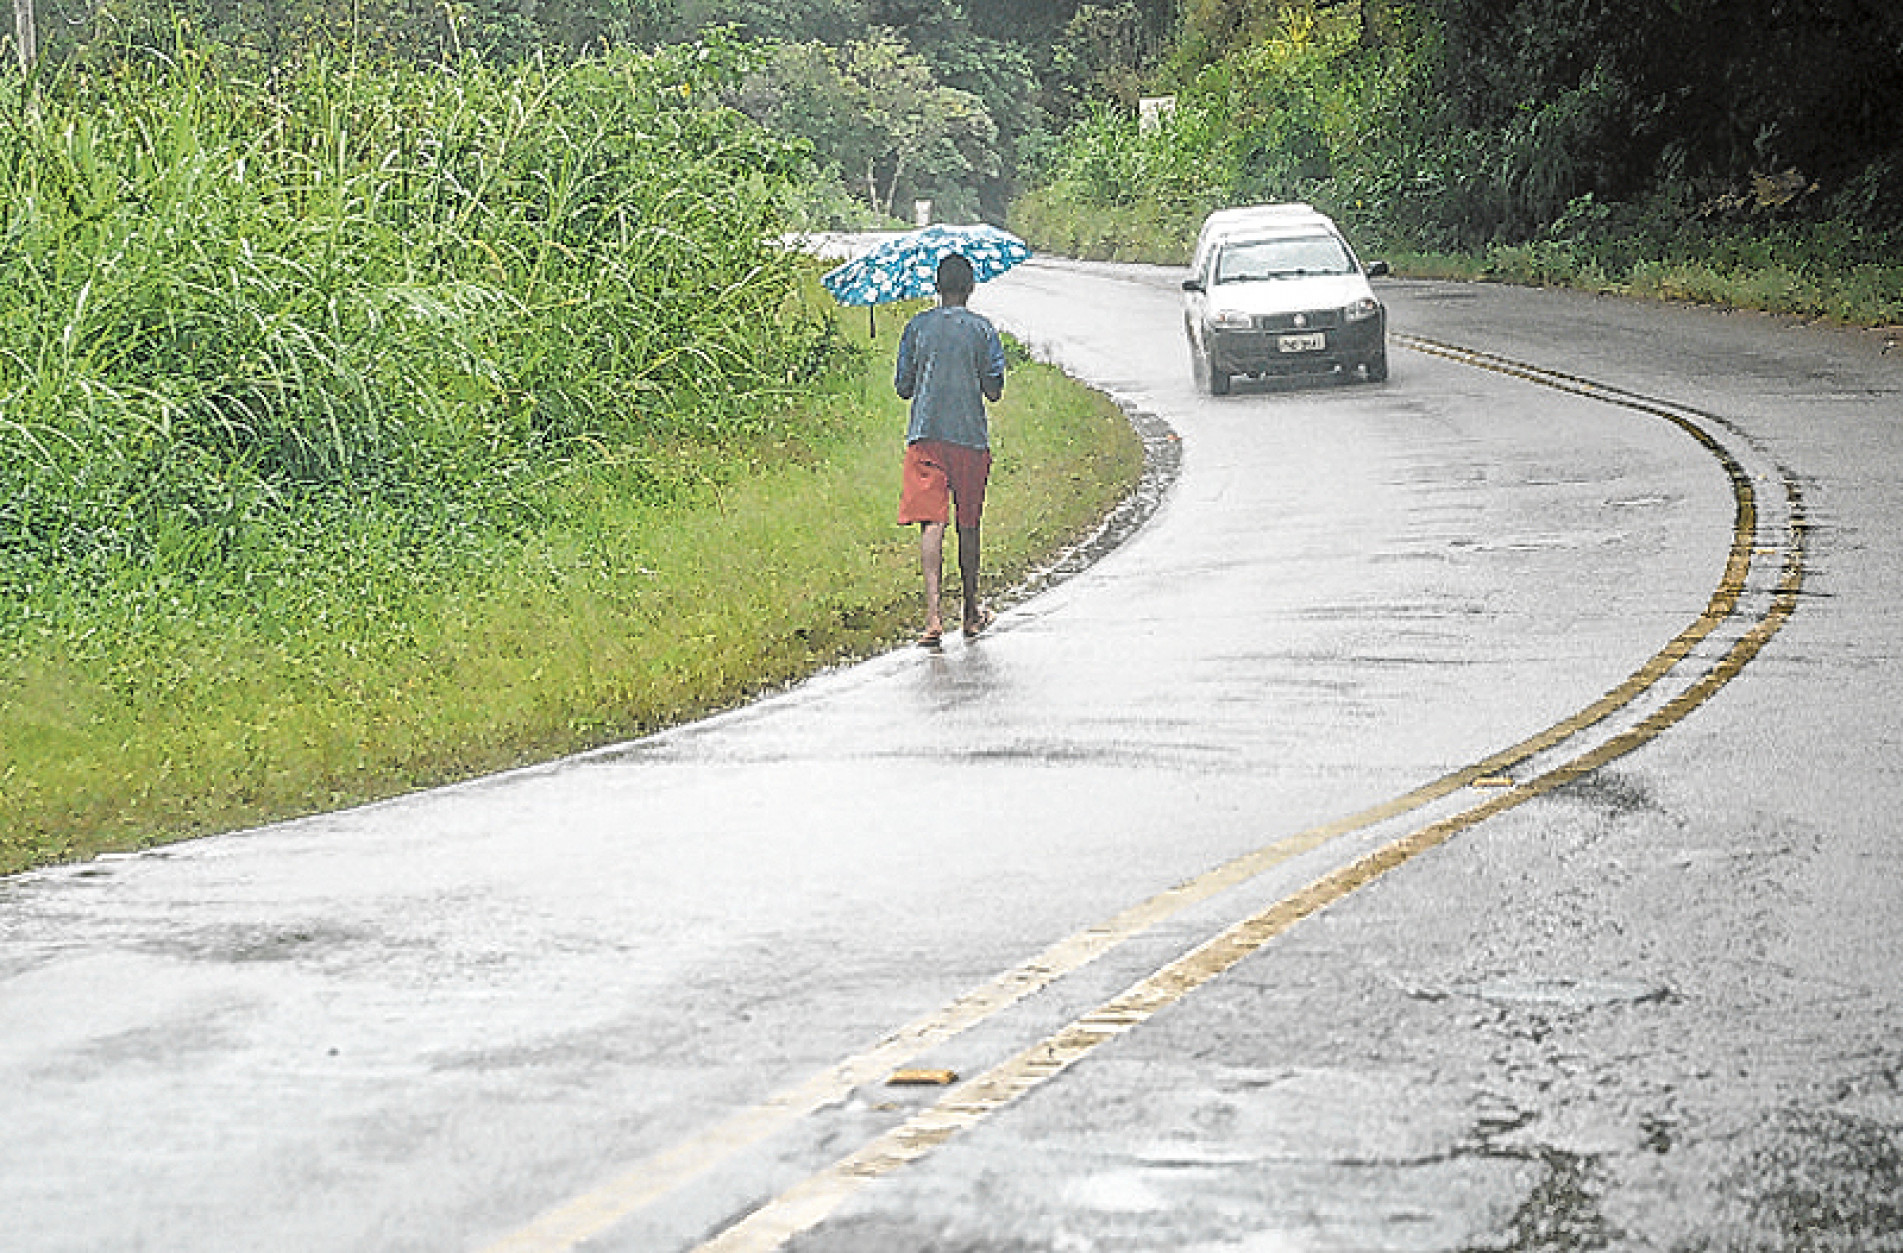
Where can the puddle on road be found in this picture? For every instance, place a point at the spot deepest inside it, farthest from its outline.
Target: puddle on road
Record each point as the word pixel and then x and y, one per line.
pixel 259 942
pixel 1562 993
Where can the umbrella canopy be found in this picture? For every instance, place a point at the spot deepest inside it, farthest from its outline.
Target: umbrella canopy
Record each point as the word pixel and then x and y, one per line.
pixel 907 266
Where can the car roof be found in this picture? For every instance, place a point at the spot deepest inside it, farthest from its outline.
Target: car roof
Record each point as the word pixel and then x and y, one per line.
pixel 1284 209
pixel 1226 221
pixel 1261 232
pixel 1260 221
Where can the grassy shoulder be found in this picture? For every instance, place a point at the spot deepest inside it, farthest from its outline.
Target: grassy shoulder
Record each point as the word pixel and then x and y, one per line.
pixel 194 711
pixel 1789 275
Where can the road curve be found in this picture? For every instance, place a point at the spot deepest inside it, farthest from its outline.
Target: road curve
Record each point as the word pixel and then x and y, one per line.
pixel 1635 983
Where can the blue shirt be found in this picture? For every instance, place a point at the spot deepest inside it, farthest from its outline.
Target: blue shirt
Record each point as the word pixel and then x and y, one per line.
pixel 945 357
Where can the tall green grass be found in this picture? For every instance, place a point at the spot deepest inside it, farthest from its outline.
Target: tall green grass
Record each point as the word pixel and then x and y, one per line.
pixel 391 301
pixel 379 426
pixel 1829 270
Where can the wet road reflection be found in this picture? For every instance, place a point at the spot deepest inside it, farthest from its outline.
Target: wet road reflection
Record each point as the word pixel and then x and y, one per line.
pixel 646 991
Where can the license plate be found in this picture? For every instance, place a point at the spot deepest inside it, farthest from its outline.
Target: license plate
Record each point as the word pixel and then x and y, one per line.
pixel 1313 342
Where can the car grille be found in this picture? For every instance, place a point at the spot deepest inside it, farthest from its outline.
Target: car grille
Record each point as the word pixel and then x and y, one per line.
pixel 1312 320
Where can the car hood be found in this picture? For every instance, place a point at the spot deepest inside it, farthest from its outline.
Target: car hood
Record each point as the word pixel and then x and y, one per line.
pixel 1287 295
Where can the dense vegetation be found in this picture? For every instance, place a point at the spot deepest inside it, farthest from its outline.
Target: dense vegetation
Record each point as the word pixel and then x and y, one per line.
pixel 1737 151
pixel 1602 134
pixel 282 365
pixel 375 423
pixel 367 295
pixel 901 99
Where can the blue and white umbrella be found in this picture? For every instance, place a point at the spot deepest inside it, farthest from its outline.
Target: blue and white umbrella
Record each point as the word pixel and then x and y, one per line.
pixel 907 265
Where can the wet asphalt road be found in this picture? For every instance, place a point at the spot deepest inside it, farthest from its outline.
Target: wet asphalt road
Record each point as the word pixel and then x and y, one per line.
pixel 626 1001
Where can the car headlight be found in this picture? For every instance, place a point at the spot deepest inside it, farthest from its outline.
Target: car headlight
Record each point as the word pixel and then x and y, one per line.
pixel 1231 320
pixel 1362 309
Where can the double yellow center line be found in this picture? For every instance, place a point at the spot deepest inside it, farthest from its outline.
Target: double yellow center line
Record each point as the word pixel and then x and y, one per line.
pixel 808 1203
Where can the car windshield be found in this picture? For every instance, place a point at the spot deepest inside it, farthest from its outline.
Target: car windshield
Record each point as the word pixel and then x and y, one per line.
pixel 1301 257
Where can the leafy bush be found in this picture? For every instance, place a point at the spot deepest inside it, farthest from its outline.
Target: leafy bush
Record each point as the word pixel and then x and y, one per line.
pixel 244 325
pixel 1304 113
pixel 1519 168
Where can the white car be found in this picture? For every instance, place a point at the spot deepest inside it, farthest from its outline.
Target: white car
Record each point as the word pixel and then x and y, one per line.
pixel 1275 290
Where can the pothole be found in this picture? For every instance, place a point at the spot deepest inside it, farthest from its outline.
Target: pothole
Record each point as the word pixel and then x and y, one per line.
pixel 1562 993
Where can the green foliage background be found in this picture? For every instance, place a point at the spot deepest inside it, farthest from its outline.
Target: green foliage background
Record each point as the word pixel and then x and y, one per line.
pixel 375 295
pixel 1731 152
pixel 1000 78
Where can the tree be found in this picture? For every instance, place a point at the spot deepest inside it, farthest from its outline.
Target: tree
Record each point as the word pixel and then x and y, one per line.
pixel 1712 90
pixel 876 109
pixel 933 139
pixel 832 22
pixel 26 39
pixel 1108 47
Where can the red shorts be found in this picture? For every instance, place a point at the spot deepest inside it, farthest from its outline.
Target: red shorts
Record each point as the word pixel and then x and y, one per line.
pixel 937 473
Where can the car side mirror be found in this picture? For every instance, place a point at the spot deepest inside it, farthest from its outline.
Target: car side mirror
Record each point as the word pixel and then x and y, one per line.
pixel 1378 269
pixel 1192 284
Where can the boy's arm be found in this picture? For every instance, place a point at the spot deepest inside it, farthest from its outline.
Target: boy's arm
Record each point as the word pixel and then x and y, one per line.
pixel 991 382
pixel 905 372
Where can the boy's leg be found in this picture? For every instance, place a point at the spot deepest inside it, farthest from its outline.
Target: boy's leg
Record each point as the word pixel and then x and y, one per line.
pixel 931 553
pixel 968 553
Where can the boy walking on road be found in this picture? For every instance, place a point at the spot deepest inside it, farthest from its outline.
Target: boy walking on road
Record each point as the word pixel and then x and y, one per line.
pixel 950 362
